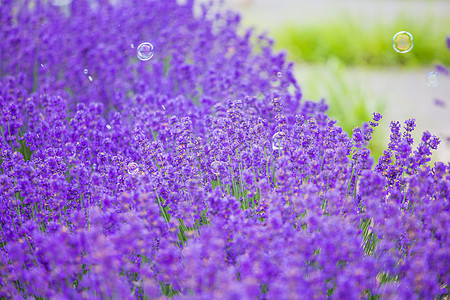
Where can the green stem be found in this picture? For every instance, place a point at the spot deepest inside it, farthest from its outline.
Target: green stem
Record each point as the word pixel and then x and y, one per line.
pixel 162 209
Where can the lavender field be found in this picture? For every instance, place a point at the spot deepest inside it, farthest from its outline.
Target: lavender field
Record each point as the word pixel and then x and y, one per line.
pixel 160 150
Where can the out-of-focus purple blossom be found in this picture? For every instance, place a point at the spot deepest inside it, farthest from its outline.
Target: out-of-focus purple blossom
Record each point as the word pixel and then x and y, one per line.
pixel 439 102
pixel 441 70
pixel 160 178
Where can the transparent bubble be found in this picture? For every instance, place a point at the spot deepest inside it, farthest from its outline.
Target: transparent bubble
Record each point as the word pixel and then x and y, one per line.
pixel 433 79
pixel 145 51
pixel 279 74
pixel 42 65
pixel 215 167
pixel 133 168
pixel 277 140
pixel 90 78
pixel 85 71
pixel 403 42
pixel 163 106
pixel 108 126
pixel 132 46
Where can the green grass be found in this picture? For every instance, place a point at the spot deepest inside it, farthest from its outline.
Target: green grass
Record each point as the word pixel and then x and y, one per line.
pixel 355 42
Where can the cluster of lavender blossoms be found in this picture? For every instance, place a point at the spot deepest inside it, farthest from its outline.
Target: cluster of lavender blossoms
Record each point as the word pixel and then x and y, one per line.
pixel 200 173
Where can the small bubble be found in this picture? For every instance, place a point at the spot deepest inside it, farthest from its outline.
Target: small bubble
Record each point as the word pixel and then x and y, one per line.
pixel 42 65
pixel 277 140
pixel 108 126
pixel 132 46
pixel 145 51
pixel 433 79
pixel 85 71
pixel 279 74
pixel 90 78
pixel 403 42
pixel 133 168
pixel 163 107
pixel 215 167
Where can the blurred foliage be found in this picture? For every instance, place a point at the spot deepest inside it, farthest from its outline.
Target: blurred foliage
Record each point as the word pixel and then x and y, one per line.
pixel 348 41
pixel 349 103
pixel 356 42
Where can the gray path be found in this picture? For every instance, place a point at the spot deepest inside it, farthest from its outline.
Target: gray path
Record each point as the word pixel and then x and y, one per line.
pixel 406 96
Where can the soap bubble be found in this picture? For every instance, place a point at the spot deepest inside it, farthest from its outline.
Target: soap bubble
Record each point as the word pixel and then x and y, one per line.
pixel 133 168
pixel 145 51
pixel 403 42
pixel 277 140
pixel 132 46
pixel 433 79
pixel 85 71
pixel 279 74
pixel 108 126
pixel 215 167
pixel 90 78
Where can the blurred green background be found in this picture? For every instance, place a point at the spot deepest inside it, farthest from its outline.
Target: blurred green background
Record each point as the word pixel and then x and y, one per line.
pixel 343 53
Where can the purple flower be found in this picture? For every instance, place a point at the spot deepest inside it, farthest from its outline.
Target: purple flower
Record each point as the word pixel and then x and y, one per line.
pixel 162 177
pixel 441 70
pixel 439 102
